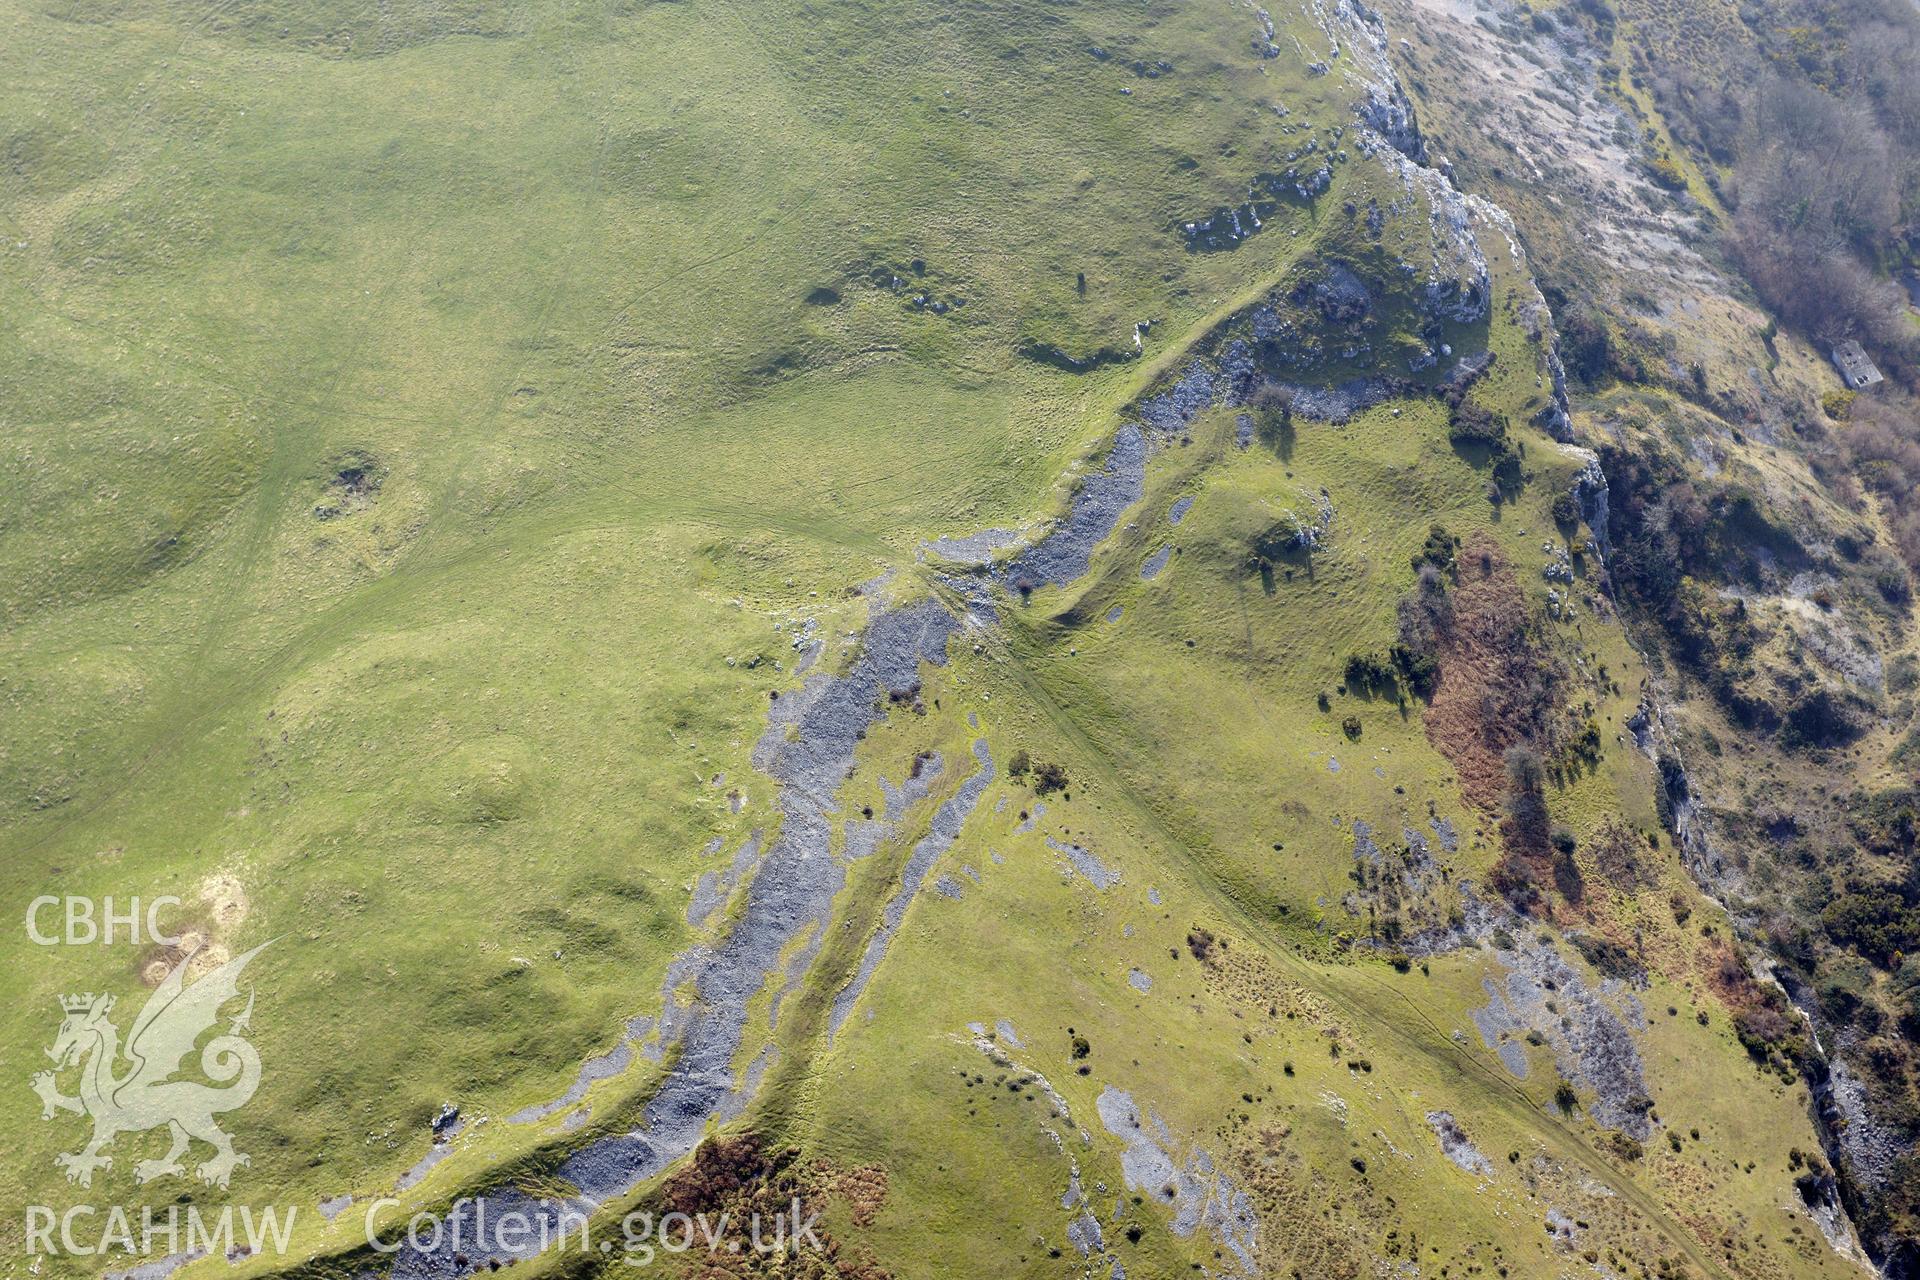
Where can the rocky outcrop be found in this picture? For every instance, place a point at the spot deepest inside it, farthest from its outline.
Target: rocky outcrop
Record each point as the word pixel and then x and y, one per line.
pixel 1389 113
pixel 1591 495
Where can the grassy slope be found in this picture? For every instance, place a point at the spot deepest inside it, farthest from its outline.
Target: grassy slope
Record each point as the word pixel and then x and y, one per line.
pixel 550 270
pixel 1192 816
pixel 618 446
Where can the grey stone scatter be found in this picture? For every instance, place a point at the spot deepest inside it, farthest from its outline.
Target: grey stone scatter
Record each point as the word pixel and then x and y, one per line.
pixel 947 822
pixel 863 837
pixel 807 750
pixel 1084 1233
pixel 1170 412
pixel 974 548
pixel 1343 400
pixel 602 1067
pixel 714 886
pixel 1084 861
pixel 1498 1028
pixel 917 787
pixel 1455 1146
pixel 1363 845
pixel 1198 1195
pixel 1590 1041
pixel 1095 511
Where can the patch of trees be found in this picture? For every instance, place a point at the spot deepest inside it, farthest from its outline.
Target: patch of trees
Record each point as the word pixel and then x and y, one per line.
pixel 1526 848
pixel 1272 407
pixel 1624 1145
pixel 1047 777
pixel 1816 181
pixel 1601 15
pixel 1823 718
pixel 1608 957
pixel 1369 673
pixel 1895 1212
pixel 1439 551
pixel 1382 675
pixel 1566 872
pixel 1473 427
pixel 1844 992
pixel 1881 922
pixel 1418 667
pixel 1882 445
pixel 1886 822
pixel 1765 1029
pixel 1821 129
pixel 1586 347
pixel 1670 545
pixel 1565 511
pixel 1766 1025
pixel 1658 521
pixel 1411 664
pixel 1471 423
pixel 1425 617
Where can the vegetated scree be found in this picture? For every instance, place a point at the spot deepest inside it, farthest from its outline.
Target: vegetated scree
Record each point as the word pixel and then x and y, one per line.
pixel 1059 640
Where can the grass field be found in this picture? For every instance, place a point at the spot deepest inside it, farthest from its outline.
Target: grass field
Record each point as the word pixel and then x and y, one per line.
pixel 427 430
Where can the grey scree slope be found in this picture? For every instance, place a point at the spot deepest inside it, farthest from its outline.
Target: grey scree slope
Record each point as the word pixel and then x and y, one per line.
pixel 795 887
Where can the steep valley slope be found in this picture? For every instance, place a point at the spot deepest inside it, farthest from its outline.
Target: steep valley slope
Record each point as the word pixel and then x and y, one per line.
pixel 1032 627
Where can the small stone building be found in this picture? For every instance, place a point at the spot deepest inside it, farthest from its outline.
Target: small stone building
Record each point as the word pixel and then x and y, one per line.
pixel 1856 370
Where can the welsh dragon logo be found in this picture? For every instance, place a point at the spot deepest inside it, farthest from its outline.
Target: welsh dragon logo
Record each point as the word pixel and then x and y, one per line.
pixel 143 1096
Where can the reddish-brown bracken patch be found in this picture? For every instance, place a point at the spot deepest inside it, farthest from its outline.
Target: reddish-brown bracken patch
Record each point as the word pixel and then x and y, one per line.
pixel 1498 687
pixel 732 1180
pixel 1494 714
pixel 864 1189
pixel 1762 1019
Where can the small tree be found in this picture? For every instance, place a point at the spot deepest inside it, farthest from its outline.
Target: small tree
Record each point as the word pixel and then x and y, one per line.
pixel 1272 405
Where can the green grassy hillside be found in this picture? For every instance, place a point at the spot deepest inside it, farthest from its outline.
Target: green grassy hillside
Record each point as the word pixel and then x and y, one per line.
pixel 458 457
